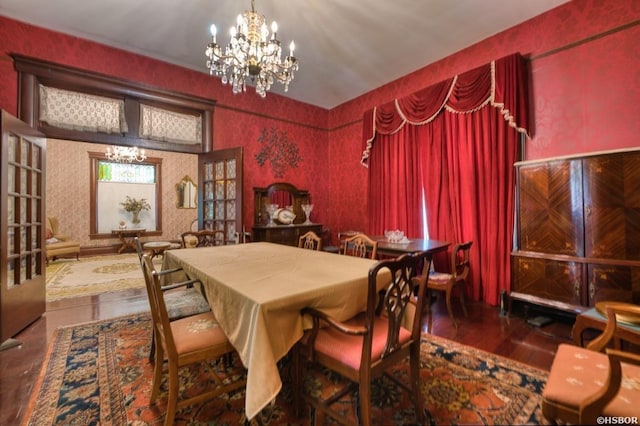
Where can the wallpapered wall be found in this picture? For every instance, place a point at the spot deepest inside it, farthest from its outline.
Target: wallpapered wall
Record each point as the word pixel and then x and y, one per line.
pixel 238 120
pixel 68 189
pixel 231 129
pixel 585 88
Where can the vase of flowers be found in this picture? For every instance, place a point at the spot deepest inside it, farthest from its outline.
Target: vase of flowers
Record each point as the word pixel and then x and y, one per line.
pixel 134 207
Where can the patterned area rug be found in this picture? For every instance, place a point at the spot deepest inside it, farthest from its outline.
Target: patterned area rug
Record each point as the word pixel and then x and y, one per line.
pixel 98 373
pixel 89 276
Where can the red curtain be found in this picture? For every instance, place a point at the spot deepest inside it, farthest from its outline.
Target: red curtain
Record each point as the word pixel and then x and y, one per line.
pixel 457 141
pixel 395 187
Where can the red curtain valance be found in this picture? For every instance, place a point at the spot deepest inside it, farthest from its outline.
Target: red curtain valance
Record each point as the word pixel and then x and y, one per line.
pixel 501 84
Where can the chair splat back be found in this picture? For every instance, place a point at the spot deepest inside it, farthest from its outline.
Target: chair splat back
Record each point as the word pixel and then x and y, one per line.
pixel 460 260
pixel 359 245
pixel 396 299
pixel 371 343
pixel 158 307
pixel 310 241
pixel 203 238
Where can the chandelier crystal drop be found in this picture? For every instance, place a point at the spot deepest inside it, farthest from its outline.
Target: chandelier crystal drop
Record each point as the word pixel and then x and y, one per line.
pixel 251 54
pixel 125 154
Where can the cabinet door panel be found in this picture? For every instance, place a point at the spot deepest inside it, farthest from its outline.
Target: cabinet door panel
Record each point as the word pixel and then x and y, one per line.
pixel 549 279
pixel 550 208
pixel 612 206
pixel 284 234
pixel 613 283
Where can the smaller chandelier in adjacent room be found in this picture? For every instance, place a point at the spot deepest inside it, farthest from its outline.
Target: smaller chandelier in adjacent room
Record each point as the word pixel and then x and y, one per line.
pixel 251 54
pixel 125 154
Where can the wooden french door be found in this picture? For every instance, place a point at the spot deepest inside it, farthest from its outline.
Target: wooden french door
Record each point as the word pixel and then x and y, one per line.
pixel 22 225
pixel 220 191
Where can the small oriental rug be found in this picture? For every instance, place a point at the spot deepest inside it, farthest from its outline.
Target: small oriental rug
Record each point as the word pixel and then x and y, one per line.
pixel 89 276
pixel 99 373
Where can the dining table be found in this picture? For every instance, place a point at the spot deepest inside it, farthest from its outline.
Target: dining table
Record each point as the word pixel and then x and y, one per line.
pixel 256 292
pixel 411 245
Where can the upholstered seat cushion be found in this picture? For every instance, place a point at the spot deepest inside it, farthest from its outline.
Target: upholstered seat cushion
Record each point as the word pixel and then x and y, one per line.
pixel 197 332
pixel 58 244
pixel 439 277
pixel 578 372
pixel 190 241
pixel 348 349
pixel 58 248
pixel 184 303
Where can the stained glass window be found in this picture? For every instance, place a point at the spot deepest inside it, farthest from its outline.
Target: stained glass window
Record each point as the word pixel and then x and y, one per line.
pixel 126 172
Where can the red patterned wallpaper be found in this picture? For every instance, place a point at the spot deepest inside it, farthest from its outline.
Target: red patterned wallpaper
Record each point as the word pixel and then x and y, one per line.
pixel 238 120
pixel 231 130
pixel 585 90
pixel 585 67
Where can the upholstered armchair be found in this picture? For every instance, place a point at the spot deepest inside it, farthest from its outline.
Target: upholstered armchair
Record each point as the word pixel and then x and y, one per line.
pixel 58 244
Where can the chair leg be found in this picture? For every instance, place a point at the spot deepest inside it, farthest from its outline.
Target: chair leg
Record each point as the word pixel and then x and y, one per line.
pixel 415 383
pixel 152 349
pixel 157 375
pixel 365 402
pixel 297 380
pixel 449 308
pixel 461 288
pixel 172 401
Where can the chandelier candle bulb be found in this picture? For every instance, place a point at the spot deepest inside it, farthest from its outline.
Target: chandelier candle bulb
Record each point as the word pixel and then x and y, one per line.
pixel 123 154
pixel 251 54
pixel 214 31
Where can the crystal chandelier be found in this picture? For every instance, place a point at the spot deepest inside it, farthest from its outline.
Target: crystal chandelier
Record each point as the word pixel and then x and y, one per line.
pixel 251 53
pixel 125 154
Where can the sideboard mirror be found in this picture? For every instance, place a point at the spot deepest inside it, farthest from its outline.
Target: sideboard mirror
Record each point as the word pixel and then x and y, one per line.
pixel 186 194
pixel 283 194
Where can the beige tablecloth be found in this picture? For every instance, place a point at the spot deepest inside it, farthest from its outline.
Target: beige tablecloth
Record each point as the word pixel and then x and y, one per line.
pixel 256 292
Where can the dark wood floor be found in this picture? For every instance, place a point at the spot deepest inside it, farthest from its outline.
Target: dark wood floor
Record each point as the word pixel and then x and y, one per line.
pixel 484 329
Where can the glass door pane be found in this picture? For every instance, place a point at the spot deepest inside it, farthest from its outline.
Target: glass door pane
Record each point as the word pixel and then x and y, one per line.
pixel 220 191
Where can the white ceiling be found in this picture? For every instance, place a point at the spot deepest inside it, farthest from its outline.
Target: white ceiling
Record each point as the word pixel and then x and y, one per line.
pixel 345 47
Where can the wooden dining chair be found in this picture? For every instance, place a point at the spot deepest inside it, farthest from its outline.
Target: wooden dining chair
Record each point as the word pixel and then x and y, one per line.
pixel 180 304
pixel 341 236
pixel 359 245
pixel 203 238
pixel 586 385
pixel 191 340
pixel 242 237
pixel 446 281
pixel 310 241
pixel 367 346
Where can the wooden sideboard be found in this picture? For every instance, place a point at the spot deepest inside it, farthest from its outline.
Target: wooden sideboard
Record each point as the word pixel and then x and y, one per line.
pixel 284 194
pixel 284 234
pixel 578 231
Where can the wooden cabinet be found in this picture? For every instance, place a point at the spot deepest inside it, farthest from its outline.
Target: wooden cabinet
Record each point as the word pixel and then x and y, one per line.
pixel 284 234
pixel 578 231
